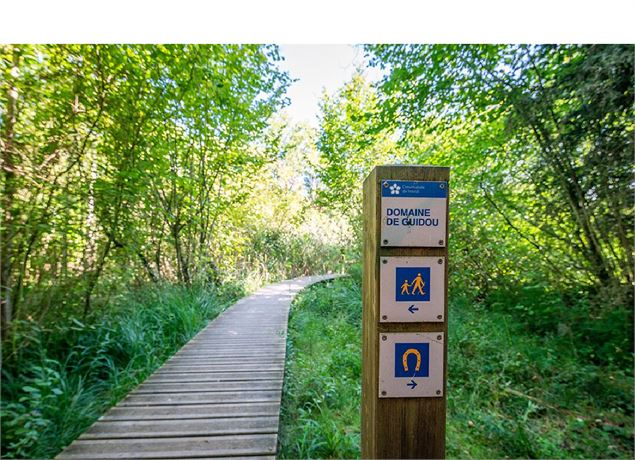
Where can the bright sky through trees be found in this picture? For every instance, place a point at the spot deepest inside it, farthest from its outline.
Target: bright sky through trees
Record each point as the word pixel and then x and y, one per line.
pixel 319 68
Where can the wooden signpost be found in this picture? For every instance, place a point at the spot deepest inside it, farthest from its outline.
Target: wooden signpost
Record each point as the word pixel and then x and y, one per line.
pixel 405 312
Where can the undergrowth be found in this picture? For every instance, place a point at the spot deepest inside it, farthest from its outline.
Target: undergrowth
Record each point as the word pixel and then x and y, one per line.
pixel 516 388
pixel 322 391
pixel 59 378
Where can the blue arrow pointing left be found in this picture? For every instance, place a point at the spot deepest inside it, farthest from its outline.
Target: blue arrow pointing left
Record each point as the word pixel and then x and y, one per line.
pixel 412 309
pixel 412 384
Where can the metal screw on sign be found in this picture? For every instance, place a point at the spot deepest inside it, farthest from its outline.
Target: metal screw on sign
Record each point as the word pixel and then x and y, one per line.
pixel 442 185
pixel 386 242
pixel 439 337
pixel 383 337
pixel 440 261
pixel 383 393
pixel 384 317
pixel 438 392
pixel 440 242
pixel 385 261
pixel 440 317
pixel 385 184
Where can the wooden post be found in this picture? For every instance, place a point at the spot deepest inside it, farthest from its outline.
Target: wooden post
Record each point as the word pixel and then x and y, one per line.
pixel 401 427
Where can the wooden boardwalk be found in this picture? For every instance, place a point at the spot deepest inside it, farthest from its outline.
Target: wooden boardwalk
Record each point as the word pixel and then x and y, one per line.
pixel 219 396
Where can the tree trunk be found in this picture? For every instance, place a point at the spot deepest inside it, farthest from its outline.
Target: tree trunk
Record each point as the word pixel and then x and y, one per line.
pixel 146 264
pixel 184 274
pixel 93 277
pixel 8 194
pixel 158 253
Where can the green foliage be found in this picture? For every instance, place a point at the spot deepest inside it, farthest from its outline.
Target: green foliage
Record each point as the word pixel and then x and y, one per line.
pixel 517 387
pixel 289 255
pixel 56 381
pixel 604 336
pixel 135 154
pixel 515 393
pixel 349 146
pixel 320 407
pixel 280 231
pixel 541 136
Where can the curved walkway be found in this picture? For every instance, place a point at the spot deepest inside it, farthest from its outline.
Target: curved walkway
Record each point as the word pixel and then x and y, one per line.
pixel 219 396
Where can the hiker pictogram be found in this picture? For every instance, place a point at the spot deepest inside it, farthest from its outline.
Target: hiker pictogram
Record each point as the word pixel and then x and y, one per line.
pixel 417 284
pixel 404 287
pixel 413 284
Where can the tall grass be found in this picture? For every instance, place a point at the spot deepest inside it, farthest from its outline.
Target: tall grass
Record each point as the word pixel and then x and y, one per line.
pixel 275 255
pixel 57 379
pixel 516 389
pixel 322 389
pixel 516 392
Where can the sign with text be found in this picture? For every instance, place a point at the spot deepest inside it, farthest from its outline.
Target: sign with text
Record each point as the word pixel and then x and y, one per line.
pixel 413 213
pixel 410 364
pixel 412 289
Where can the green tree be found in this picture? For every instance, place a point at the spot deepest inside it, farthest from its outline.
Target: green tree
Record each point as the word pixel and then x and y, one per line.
pixel 564 133
pixel 350 145
pixel 119 156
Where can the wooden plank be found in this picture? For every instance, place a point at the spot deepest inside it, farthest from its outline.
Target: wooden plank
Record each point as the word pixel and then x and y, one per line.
pixel 181 428
pixel 250 350
pixel 200 398
pixel 215 376
pixel 226 360
pixel 236 351
pixel 219 368
pixel 271 340
pixel 202 356
pixel 154 388
pixel 251 457
pixel 227 365
pixel 222 342
pixel 396 427
pixel 251 347
pixel 238 356
pixel 250 409
pixel 177 447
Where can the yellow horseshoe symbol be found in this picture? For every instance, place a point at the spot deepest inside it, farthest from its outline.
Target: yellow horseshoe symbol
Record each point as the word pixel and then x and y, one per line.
pixel 409 352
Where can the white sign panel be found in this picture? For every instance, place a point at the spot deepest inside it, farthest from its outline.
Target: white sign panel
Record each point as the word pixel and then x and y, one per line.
pixel 410 364
pixel 412 289
pixel 413 213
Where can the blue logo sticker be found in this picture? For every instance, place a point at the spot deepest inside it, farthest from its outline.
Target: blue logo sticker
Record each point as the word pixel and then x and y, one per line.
pixel 414 189
pixel 412 360
pixel 412 284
